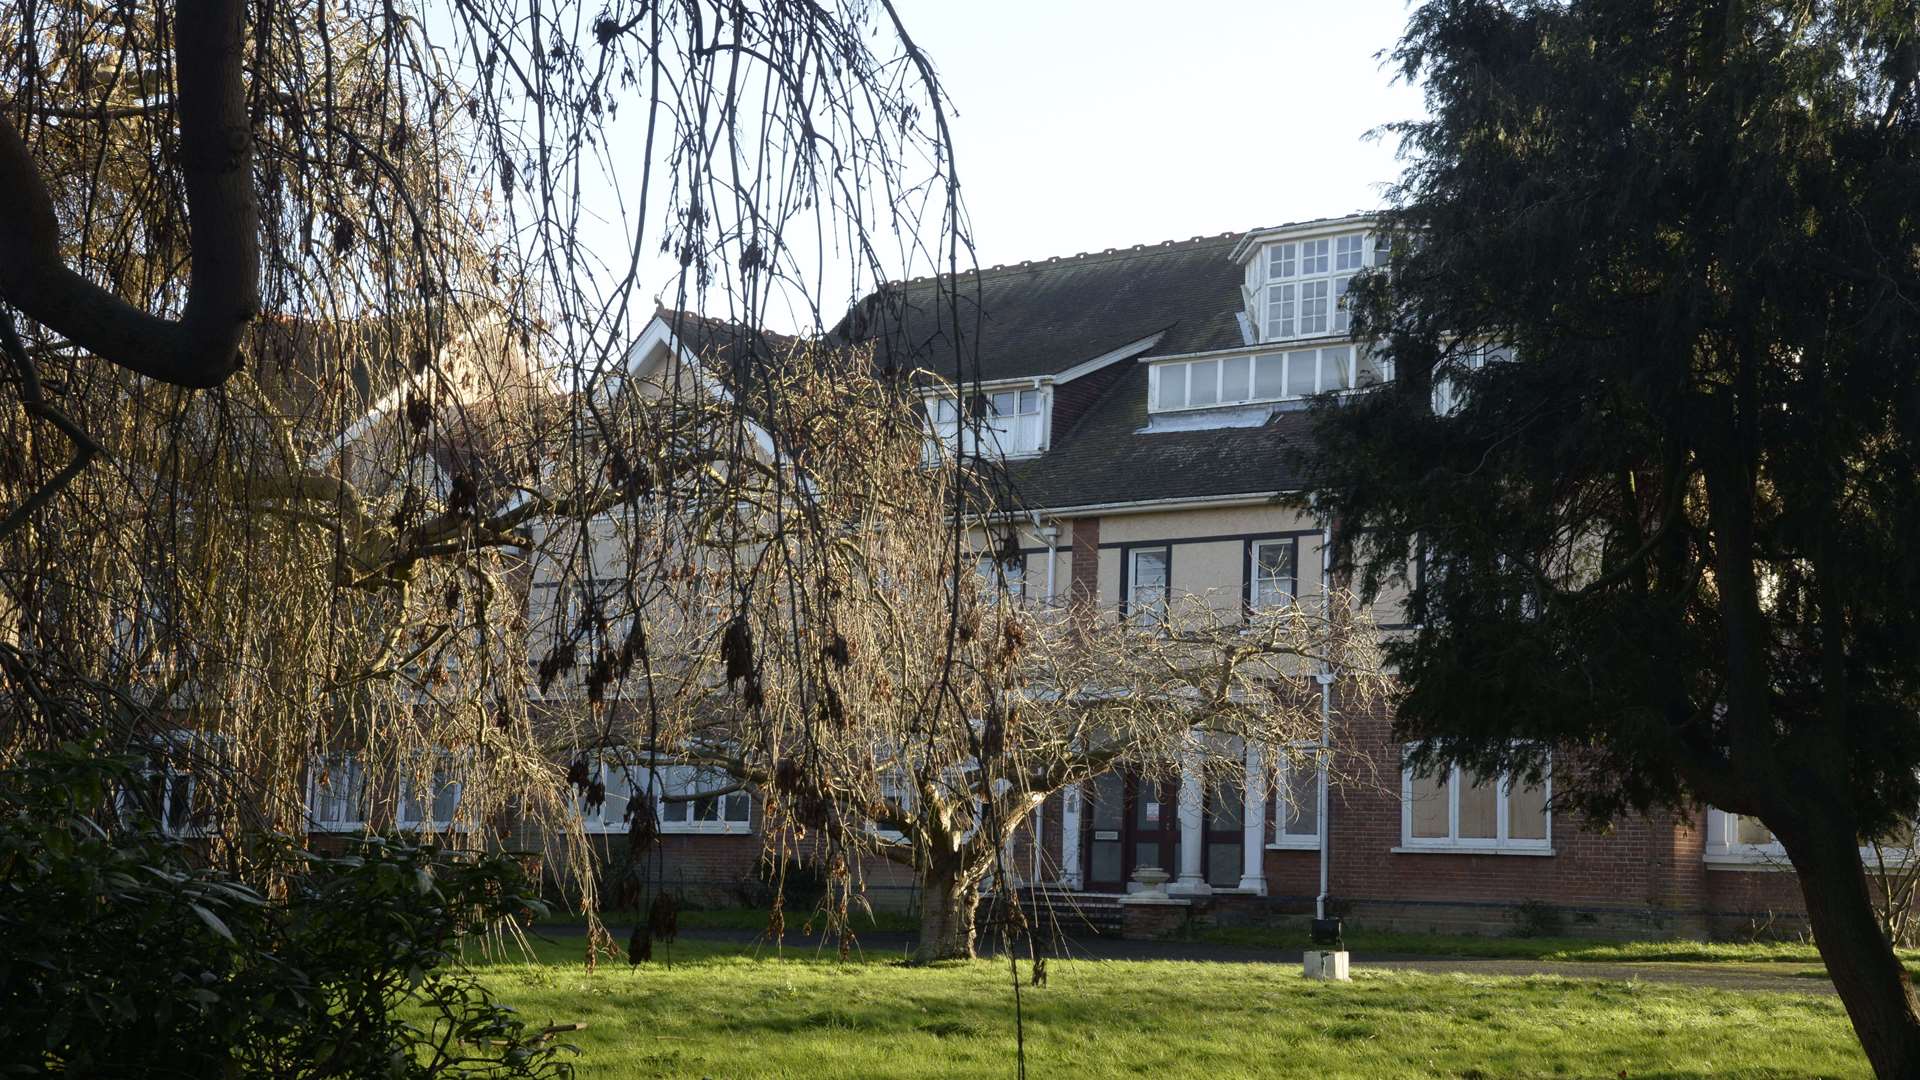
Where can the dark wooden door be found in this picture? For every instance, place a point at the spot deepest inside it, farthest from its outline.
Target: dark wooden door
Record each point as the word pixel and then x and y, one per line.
pixel 1105 844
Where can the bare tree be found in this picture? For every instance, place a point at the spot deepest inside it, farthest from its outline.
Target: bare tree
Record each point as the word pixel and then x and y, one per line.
pixel 818 631
pixel 310 306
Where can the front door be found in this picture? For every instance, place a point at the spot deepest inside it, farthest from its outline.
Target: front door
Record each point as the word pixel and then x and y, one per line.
pixel 1130 821
pixel 1155 839
pixel 1105 841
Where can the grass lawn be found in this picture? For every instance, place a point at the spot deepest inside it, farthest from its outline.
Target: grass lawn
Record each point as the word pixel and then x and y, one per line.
pixel 725 1011
pixel 746 919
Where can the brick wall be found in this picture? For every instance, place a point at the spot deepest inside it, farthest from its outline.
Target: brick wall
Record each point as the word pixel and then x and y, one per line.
pixel 1084 590
pixel 1642 875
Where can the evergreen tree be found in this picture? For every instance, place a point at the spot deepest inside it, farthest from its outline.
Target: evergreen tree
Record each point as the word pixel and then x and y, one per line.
pixel 1655 263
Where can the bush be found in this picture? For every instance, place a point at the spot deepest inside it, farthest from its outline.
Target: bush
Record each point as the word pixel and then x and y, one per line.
pixel 120 955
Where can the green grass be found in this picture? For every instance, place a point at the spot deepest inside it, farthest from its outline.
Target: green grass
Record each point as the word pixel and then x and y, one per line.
pixel 745 919
pixel 726 1011
pixel 1558 949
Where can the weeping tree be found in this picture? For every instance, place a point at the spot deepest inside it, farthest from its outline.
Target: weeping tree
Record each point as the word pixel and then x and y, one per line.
pixel 818 630
pixel 300 305
pixel 1651 312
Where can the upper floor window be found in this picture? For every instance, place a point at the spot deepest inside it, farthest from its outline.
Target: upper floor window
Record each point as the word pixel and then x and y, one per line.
pixel 1148 585
pixel 1237 380
pixel 1009 574
pixel 1298 288
pixel 1271 574
pixel 1006 423
pixel 1448 392
pixel 1453 808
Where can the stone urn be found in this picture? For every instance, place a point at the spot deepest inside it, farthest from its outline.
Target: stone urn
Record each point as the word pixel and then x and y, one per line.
pixel 1152 881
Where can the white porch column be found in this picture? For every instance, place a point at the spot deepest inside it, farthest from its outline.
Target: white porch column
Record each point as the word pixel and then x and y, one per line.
pixel 1253 841
pixel 1070 837
pixel 1193 823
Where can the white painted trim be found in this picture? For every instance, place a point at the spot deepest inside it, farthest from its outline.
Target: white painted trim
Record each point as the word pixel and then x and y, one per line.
pixel 1300 230
pixel 1152 506
pixel 1088 367
pixel 1465 850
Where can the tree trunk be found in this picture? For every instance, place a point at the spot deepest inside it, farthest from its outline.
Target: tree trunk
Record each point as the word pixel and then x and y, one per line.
pixel 1871 981
pixel 948 900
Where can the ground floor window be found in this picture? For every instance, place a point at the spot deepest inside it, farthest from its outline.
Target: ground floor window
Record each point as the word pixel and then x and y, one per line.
pixel 337 793
pixel 430 798
pixel 1450 807
pixel 711 807
pixel 168 790
pixel 1296 797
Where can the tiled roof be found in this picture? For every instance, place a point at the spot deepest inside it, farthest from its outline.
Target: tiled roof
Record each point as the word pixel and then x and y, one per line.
pixel 1109 457
pixel 1043 317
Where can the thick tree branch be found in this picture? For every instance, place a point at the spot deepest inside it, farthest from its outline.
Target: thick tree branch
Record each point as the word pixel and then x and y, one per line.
pixel 216 155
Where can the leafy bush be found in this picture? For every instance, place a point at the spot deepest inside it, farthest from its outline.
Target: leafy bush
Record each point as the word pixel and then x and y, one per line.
pixel 121 954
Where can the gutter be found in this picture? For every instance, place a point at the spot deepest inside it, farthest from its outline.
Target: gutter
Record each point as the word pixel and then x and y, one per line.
pixel 1151 506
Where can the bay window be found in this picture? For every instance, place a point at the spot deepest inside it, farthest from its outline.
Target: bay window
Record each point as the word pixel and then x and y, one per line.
pixel 1450 808
pixel 1299 289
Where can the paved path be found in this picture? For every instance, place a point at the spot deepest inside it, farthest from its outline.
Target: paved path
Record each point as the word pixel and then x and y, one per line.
pixel 1725 976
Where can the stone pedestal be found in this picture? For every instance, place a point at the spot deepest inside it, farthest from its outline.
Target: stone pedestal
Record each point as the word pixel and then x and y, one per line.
pixel 1327 965
pixel 1150 883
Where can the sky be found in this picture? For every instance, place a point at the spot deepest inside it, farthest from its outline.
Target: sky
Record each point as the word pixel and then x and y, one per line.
pixel 1081 126
pixel 1085 125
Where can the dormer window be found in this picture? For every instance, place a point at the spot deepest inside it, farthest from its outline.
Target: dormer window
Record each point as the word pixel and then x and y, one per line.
pixel 1260 377
pixel 1298 288
pixel 1003 423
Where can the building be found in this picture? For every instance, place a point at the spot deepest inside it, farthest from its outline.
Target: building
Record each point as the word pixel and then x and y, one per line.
pixel 1146 401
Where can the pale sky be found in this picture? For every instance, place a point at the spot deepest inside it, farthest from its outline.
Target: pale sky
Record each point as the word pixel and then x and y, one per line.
pixel 1083 125
pixel 1086 125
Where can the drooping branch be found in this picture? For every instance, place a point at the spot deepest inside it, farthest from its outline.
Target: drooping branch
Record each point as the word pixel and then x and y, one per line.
pixel 202 348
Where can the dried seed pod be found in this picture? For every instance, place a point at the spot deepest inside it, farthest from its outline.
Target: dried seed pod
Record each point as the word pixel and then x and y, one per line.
pixel 736 650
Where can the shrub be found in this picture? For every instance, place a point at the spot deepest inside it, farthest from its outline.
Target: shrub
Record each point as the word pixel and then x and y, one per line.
pixel 122 955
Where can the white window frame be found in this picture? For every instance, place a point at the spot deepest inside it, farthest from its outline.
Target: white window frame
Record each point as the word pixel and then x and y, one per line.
pixel 1294 759
pixel 1023 433
pixel 996 573
pixel 1210 371
pixel 1724 849
pixel 1282 272
pixel 1499 844
pixel 1159 607
pixel 609 771
pixel 335 766
pixel 444 764
pixel 1254 603
pixel 679 779
pixel 1447 399
pixel 895 782
pixel 167 748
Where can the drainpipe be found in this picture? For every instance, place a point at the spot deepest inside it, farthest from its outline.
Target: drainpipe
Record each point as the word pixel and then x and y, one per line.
pixel 1325 678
